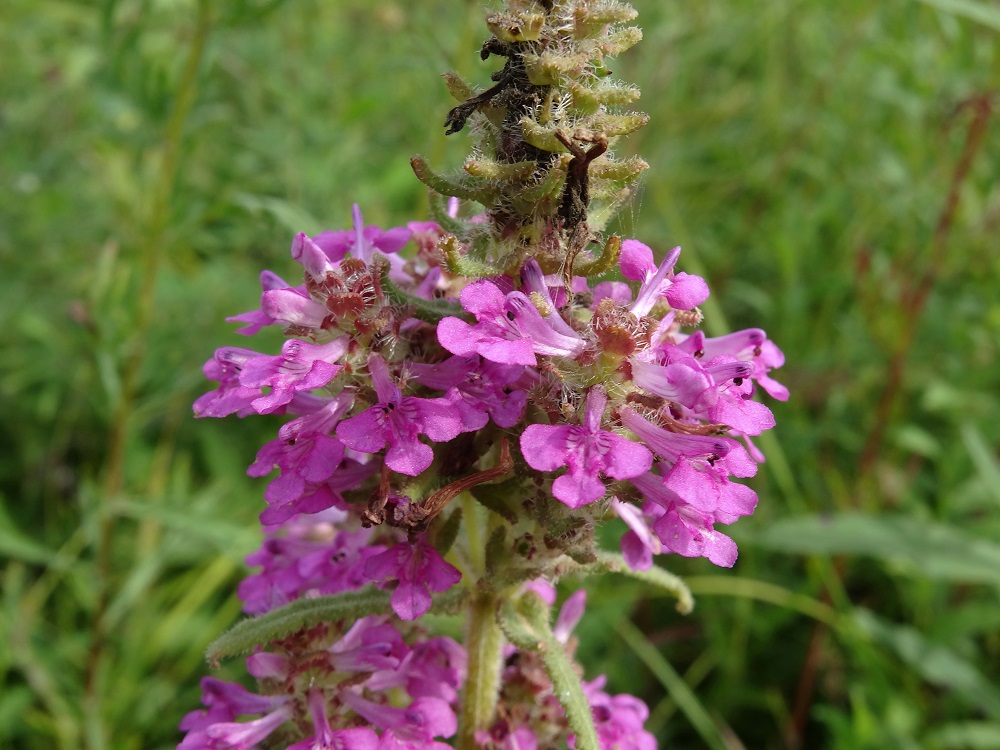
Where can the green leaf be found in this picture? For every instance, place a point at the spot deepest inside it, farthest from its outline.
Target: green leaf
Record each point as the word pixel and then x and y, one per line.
pixel 525 621
pixel 16 545
pixel 446 533
pixel 302 613
pixel 966 735
pixel 921 548
pixel 491 169
pixel 620 171
pixel 591 97
pixel 292 217
pixel 497 497
pixel 987 15
pixel 541 136
pixel 457 87
pixel 607 260
pixel 447 186
pixel 673 683
pixel 983 457
pixel 550 186
pixel 934 662
pixel 439 212
pixel 520 630
pixel 613 125
pixel 462 265
pixel 621 40
pixel 429 310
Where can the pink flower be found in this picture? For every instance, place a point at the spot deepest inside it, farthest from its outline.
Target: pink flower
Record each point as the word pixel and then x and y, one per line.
pixel 618 719
pixel 479 390
pixel 587 450
pixel 327 738
pixel 231 397
pixel 750 345
pixel 397 421
pixel 293 308
pixel 510 329
pixel 307 558
pixel 305 452
pixel 685 530
pixel 361 242
pixel 300 367
pixel 257 319
pixel 639 543
pixel 420 722
pixel 419 569
pixel 682 291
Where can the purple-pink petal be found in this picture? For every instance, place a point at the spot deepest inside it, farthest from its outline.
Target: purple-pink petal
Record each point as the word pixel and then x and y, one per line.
pixel 636 260
pixel 365 432
pixel 290 307
pixel 544 446
pixel 577 488
pixel 625 459
pixel 687 291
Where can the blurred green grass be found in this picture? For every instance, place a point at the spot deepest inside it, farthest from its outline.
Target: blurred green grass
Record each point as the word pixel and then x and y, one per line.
pixel 157 155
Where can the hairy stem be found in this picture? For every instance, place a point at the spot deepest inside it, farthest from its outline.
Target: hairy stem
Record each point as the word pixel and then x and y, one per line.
pixel 484 642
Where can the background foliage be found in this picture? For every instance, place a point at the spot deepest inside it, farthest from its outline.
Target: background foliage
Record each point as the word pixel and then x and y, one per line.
pixel 831 168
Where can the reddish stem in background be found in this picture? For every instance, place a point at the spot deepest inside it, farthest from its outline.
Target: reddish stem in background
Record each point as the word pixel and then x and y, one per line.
pixel 913 301
pixel 915 298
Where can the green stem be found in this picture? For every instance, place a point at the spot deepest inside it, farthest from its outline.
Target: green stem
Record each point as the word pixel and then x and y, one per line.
pixel 484 643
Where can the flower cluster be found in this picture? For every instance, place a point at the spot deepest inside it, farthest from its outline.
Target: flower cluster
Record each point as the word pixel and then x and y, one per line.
pixel 378 683
pixel 372 684
pixel 610 404
pixel 604 382
pixel 468 400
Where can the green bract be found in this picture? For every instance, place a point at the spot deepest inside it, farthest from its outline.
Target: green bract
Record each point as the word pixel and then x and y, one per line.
pixel 541 162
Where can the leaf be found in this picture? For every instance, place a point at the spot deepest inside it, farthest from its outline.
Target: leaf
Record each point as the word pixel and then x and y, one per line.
pixel 462 265
pixel 303 613
pixel 520 630
pixel 457 87
pixel 444 534
pixel 966 735
pixel 591 97
pixel 607 260
pixel 244 636
pixel 541 136
pixel 985 462
pixel 439 212
pixel 980 12
pixel 448 186
pixel 612 125
pixel 496 497
pixel 428 310
pixel 525 621
pixel 494 170
pixel 16 545
pixel 937 664
pixel 292 217
pixel 921 548
pixel 673 683
pixel 620 171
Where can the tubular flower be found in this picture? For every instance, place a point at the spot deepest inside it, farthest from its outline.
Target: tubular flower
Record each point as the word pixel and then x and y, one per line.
pixel 510 329
pixel 587 450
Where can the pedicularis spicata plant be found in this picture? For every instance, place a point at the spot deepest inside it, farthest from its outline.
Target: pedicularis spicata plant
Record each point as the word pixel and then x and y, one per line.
pixel 467 407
